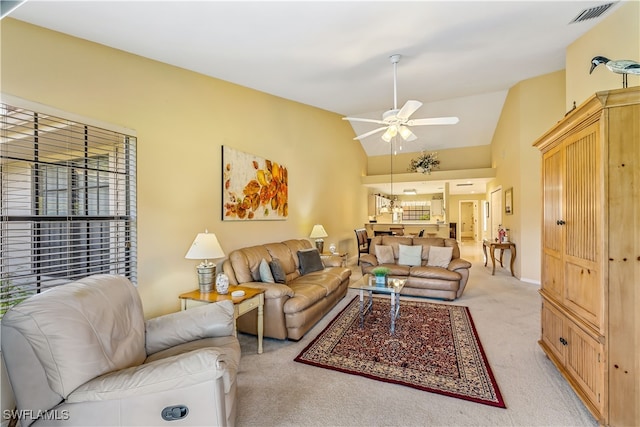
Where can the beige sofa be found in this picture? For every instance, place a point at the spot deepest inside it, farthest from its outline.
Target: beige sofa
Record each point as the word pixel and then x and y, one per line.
pixel 444 282
pixel 82 354
pixel 293 307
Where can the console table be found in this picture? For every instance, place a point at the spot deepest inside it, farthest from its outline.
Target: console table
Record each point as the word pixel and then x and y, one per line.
pixel 492 249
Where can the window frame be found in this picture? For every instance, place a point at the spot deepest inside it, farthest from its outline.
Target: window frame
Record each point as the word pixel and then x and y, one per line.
pixel 104 220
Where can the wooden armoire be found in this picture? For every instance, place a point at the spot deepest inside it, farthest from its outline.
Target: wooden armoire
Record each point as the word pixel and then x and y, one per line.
pixel 590 319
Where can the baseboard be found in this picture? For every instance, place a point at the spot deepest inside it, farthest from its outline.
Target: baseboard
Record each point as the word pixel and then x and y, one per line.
pixel 532 281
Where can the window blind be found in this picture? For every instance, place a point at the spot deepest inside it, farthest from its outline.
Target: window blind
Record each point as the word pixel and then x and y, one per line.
pixel 68 203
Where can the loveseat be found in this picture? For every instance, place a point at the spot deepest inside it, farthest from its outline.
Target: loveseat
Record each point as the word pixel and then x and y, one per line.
pixel 432 265
pixel 309 287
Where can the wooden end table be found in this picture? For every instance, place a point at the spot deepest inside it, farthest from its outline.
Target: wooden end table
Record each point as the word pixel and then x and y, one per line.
pixel 502 246
pixel 342 255
pixel 251 300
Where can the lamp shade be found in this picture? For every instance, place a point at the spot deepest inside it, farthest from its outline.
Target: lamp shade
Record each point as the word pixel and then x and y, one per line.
pixel 205 246
pixel 318 232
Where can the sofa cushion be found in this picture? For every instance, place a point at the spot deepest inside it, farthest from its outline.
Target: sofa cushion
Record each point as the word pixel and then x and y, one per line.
pixel 397 270
pixel 286 257
pixel 306 295
pixel 410 255
pixel 329 281
pixel 384 254
pixel 426 243
pixel 296 245
pixel 310 261
pixel 439 256
pixel 342 273
pixel 278 272
pixel 395 242
pixel 425 272
pixel 246 263
pixel 265 272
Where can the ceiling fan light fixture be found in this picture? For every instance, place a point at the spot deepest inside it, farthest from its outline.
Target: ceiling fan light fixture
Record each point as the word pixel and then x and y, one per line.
pixel 397 120
pixel 390 133
pixel 405 133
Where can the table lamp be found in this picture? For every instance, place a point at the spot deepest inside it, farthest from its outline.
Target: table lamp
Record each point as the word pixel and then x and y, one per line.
pixel 318 233
pixel 205 247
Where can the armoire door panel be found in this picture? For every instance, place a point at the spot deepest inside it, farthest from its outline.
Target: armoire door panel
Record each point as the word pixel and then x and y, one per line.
pixel 582 293
pixel 552 275
pixel 583 359
pixel 552 199
pixel 552 329
pixel 582 195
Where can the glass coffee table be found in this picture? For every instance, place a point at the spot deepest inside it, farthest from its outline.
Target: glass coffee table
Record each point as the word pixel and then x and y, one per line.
pixel 392 288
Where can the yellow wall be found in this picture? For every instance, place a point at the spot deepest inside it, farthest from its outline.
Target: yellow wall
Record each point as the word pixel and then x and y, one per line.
pixel 476 157
pixel 617 37
pixel 532 106
pixel 182 118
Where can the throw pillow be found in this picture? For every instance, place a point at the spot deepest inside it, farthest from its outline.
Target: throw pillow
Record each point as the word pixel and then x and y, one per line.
pixel 310 261
pixel 265 272
pixel 439 256
pixel 410 255
pixel 278 272
pixel 385 254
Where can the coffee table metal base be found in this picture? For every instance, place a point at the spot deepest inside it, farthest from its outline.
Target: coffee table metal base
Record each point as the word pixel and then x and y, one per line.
pixel 393 288
pixel 394 313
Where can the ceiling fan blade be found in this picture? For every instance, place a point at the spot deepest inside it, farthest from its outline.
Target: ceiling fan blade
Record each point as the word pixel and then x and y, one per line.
pixel 434 121
pixel 358 119
pixel 364 135
pixel 408 109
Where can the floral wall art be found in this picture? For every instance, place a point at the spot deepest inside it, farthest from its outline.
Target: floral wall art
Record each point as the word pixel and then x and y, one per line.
pixel 253 188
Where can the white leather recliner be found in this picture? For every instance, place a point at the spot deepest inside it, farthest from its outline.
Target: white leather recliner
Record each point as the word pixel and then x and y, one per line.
pixel 83 354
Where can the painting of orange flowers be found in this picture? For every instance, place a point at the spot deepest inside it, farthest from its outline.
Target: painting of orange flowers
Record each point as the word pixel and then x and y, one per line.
pixel 253 188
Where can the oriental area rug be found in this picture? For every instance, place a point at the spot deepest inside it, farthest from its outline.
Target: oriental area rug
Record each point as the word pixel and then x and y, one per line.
pixel 435 348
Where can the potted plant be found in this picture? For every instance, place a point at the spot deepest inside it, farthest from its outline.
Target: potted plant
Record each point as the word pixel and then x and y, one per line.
pixel 381 274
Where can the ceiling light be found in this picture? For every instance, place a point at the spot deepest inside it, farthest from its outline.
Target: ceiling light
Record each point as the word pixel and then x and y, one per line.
pixel 405 133
pixel 410 191
pixel 390 133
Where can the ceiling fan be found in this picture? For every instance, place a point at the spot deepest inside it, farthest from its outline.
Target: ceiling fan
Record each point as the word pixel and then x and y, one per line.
pixel 397 121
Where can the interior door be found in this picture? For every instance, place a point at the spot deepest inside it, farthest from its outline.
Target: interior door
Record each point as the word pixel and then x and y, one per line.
pixel 467 228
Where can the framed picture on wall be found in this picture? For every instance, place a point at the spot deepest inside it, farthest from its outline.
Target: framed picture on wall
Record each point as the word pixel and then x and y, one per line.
pixel 508 201
pixel 253 188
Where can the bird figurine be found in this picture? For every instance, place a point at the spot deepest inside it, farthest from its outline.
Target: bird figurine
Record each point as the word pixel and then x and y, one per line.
pixel 620 66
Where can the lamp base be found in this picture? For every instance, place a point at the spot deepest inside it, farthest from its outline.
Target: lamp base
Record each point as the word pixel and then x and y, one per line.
pixel 320 245
pixel 205 277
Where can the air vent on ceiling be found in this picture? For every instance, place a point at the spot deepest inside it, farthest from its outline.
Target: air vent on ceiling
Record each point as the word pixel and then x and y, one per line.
pixel 592 12
pixel 467 184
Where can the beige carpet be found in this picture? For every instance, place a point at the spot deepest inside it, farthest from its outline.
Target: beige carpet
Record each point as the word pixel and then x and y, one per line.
pixel 273 390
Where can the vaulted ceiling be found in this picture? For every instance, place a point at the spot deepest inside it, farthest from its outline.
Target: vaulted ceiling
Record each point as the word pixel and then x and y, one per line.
pixel 459 58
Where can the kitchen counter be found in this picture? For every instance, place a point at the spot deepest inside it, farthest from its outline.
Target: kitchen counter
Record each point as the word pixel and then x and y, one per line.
pixel 439 230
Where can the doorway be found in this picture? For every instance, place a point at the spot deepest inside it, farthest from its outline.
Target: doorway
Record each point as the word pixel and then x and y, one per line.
pixel 468 220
